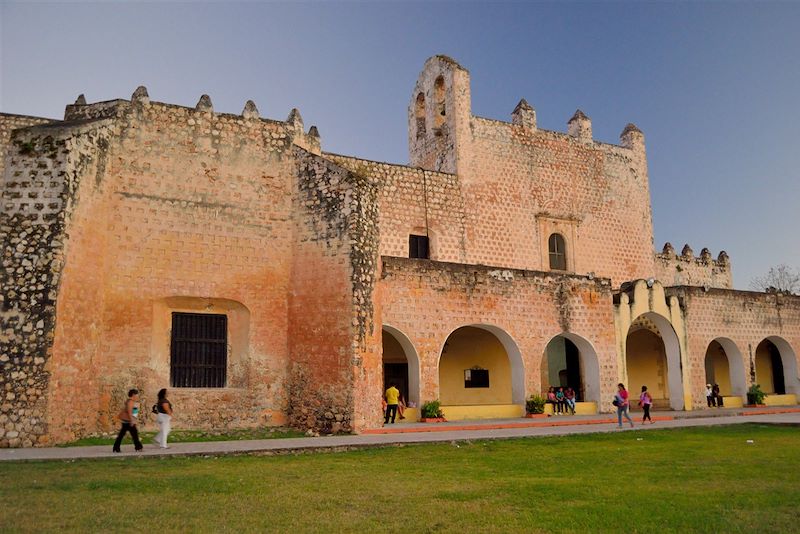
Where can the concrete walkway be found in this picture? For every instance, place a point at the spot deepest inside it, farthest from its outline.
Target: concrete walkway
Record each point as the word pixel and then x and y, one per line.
pixel 446 432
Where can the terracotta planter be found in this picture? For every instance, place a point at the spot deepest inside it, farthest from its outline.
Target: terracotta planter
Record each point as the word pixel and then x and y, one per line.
pixel 536 415
pixel 432 420
pixel 755 405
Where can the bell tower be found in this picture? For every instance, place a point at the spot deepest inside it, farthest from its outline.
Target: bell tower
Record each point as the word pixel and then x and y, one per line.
pixel 438 115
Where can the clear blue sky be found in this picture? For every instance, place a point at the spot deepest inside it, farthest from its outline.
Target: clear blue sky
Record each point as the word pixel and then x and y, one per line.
pixel 714 86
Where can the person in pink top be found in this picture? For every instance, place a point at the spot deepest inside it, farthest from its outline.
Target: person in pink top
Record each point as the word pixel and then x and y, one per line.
pixel 622 404
pixel 645 401
pixel 551 399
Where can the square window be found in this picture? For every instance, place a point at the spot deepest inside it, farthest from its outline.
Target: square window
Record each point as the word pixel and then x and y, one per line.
pixel 198 350
pixel 476 378
pixel 418 247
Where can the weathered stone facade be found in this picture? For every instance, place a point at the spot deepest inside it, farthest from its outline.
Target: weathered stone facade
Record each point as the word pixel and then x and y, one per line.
pixel 130 211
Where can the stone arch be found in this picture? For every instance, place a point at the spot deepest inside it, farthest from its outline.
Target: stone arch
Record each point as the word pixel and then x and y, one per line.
pixel 412 360
pixel 589 366
pixel 725 366
pixel 671 354
pixel 787 358
pixel 513 354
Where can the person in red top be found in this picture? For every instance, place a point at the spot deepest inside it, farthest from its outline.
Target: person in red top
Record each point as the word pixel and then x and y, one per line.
pixel 622 403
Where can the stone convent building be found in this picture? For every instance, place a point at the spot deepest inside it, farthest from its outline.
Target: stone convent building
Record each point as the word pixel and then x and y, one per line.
pixel 268 282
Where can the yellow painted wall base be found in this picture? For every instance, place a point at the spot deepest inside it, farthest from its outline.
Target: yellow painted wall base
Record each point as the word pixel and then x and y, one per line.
pixel 732 402
pixel 581 408
pixel 780 400
pixel 411 414
pixel 485 411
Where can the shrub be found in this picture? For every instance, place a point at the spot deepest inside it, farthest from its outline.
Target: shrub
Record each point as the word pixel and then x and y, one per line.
pixel 432 410
pixel 755 395
pixel 535 404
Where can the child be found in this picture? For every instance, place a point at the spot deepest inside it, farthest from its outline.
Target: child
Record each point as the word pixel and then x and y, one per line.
pixel 645 401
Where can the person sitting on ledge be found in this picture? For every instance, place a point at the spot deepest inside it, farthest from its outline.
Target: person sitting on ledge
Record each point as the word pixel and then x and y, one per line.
pixel 561 400
pixel 569 398
pixel 551 399
pixel 716 397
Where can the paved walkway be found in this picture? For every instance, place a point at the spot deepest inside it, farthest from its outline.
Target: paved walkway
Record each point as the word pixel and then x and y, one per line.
pixel 445 432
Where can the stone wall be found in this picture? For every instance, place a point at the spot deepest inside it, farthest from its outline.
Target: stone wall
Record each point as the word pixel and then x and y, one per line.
pixel 9 123
pixel 427 301
pixel 335 353
pixel 415 201
pixel 687 270
pixel 520 184
pixel 743 318
pixel 48 170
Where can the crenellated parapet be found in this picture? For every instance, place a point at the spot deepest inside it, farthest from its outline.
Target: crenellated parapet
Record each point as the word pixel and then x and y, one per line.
pixel 140 101
pixel 687 269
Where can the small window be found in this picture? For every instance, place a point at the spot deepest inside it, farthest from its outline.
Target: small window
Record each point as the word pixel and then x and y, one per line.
pixel 418 247
pixel 419 112
pixel 198 350
pixel 476 378
pixel 558 252
pixel 440 112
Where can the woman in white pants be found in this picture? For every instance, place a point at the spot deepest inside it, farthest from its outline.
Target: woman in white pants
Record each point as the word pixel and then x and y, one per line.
pixel 164 417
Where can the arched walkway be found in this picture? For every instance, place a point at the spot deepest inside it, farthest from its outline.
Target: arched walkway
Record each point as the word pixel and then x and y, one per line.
pixel 725 366
pixel 400 363
pixel 653 359
pixel 481 364
pixel 571 361
pixel 776 367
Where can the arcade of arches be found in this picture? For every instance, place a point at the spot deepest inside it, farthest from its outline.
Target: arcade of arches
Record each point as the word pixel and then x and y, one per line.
pixel 480 368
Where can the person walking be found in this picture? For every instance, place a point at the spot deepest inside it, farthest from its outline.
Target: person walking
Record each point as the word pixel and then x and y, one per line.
pixel 163 409
pixel 392 400
pixel 645 401
pixel 128 416
pixel 622 404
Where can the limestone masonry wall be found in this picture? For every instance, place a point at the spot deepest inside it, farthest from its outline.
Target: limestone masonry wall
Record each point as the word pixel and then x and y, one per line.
pixel 687 270
pixel 194 215
pixel 428 300
pixel 745 318
pixel 521 184
pixel 9 123
pixel 415 201
pixel 47 172
pixel 332 341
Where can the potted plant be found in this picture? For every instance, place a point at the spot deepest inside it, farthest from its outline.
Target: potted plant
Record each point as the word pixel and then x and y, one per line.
pixel 431 412
pixel 534 407
pixel 755 396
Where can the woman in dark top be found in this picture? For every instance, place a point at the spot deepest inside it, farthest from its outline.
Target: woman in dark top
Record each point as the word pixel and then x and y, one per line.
pixel 164 417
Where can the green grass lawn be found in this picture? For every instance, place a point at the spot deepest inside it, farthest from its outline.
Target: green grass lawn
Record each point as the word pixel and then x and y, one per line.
pixel 687 480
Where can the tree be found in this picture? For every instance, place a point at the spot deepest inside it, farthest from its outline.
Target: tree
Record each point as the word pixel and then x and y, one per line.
pixel 780 279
